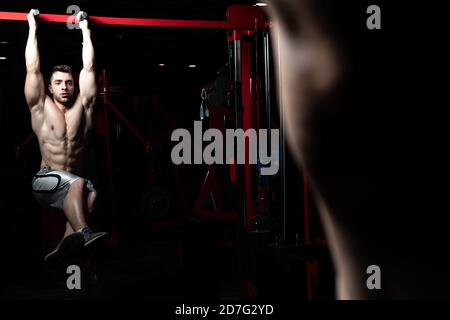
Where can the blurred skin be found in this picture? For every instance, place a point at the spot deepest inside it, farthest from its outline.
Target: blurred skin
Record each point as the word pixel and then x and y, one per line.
pixel 351 124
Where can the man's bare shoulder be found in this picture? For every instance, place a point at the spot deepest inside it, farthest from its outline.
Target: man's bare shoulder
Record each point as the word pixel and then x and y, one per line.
pixel 38 112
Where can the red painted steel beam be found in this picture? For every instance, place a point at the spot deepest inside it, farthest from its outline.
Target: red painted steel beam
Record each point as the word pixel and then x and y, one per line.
pixel 143 22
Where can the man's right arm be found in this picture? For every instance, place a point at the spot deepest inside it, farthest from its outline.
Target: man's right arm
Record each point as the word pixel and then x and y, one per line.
pixel 34 82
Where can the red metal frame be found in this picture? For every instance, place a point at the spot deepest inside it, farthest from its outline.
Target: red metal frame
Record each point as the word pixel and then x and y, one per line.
pixel 217 114
pixel 210 185
pixel 243 119
pixel 312 267
pixel 104 132
pixel 103 135
pixel 143 22
pixel 248 123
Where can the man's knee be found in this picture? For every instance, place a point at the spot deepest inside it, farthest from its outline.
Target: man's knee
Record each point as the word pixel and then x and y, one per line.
pixel 78 185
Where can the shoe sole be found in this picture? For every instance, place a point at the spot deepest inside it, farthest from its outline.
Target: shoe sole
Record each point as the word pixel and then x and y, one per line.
pixel 94 241
pixel 70 245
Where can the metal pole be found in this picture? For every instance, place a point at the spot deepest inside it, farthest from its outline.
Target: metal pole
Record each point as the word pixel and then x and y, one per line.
pixel 267 88
pixel 239 124
pixel 282 150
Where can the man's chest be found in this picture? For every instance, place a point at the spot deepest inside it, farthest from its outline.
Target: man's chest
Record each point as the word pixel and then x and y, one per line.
pixel 70 125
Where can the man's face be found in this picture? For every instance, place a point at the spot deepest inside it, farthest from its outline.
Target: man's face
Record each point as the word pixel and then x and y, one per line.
pixel 62 87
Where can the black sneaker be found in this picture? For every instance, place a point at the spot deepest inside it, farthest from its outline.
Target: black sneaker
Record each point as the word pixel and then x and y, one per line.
pixel 70 245
pixel 91 237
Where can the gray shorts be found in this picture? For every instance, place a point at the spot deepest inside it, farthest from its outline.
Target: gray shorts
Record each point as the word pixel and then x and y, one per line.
pixel 50 186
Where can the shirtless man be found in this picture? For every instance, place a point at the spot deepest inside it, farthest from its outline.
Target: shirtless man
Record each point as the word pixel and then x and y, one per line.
pixel 62 124
pixel 364 114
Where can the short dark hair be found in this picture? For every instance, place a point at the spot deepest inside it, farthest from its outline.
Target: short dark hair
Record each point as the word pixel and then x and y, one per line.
pixel 61 68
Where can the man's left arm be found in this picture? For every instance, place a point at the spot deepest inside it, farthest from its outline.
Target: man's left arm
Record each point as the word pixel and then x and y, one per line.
pixel 88 85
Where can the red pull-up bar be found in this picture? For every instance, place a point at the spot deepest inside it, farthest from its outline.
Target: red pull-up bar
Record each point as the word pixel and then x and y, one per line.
pixel 243 25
